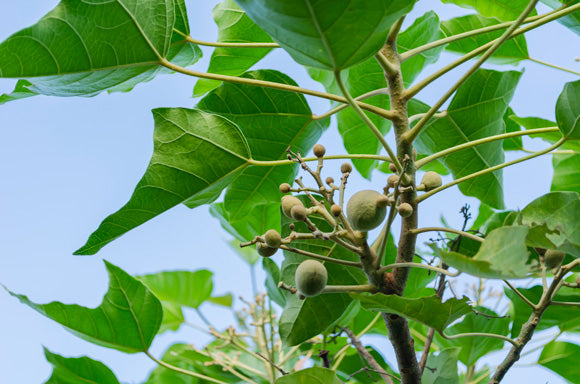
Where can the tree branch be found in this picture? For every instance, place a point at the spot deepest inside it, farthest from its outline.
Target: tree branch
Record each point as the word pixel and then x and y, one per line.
pixel 367 356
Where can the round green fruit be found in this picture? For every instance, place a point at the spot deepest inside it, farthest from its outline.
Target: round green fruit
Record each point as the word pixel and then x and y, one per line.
pixel 288 202
pixel 431 180
pixel 265 251
pixel 311 277
pixel 553 258
pixel 273 238
pixel 405 209
pixel 363 212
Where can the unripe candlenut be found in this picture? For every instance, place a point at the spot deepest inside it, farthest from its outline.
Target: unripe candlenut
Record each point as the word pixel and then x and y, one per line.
pixel 298 213
pixel 553 258
pixel 363 212
pixel 405 210
pixel 311 277
pixel 319 150
pixel 288 202
pixel 335 210
pixel 392 181
pixel 285 187
pixel 431 180
pixel 273 238
pixel 264 250
pixel 346 168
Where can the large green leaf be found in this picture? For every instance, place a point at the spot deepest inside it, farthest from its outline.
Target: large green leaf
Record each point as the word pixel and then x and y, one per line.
pixel 270 120
pixel 510 52
pixel 74 370
pixel 87 57
pixel 568 110
pixel 475 112
pixel 266 216
pixel 514 143
pixel 315 375
pixel 474 348
pixel 195 156
pixel 442 368
pixel 369 76
pixel 177 289
pixel 429 310
pixel 304 319
pixel 502 255
pixel 128 318
pixel 562 357
pixel 327 34
pixel 505 10
pixel 553 222
pixel 566 173
pixel 549 137
pixel 234 27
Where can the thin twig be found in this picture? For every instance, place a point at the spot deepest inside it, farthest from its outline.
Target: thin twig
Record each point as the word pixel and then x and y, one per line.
pixel 367 356
pixel 451 230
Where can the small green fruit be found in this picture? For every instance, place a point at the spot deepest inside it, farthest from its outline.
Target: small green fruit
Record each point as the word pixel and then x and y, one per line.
pixel 273 238
pixel 363 212
pixel 319 150
pixel 553 258
pixel 311 277
pixel 264 250
pixel 392 181
pixel 431 180
pixel 288 202
pixel 298 213
pixel 405 209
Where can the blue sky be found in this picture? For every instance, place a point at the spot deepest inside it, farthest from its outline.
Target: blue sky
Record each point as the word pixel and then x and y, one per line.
pixel 66 163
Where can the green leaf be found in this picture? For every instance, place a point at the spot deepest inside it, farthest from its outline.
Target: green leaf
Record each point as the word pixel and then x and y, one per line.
pixel 313 375
pixel 474 348
pixel 351 364
pixel 304 319
pixel 270 120
pixel 553 222
pixel 195 156
pixel 88 58
pixel 566 173
pixel 475 112
pixel 128 318
pixel 234 27
pixel 562 357
pixel 429 310
pixel 442 368
pixel 73 370
pixel 266 216
pixel 20 91
pixel 505 10
pixel 502 255
pixel 549 137
pixel 563 317
pixel 272 279
pixel 511 52
pixel 514 143
pixel 367 77
pixel 172 317
pixel 327 34
pixel 571 21
pixel 223 300
pixel 183 288
pixel 568 110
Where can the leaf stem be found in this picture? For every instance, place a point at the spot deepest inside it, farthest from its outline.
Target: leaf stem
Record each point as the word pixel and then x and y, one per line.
pixel 367 120
pixel 320 257
pixel 421 162
pixel 376 92
pixel 417 265
pixel 183 371
pixel 450 230
pixel 270 84
pixel 480 334
pixel 525 299
pixel 554 66
pixel 412 134
pixel 269 163
pixel 220 44
pixel 490 169
pixel 350 288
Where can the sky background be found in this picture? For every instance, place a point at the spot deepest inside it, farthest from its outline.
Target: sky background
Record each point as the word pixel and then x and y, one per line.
pixel 66 163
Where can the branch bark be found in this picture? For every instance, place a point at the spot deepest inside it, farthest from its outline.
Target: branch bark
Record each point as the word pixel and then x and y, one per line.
pixel 367 356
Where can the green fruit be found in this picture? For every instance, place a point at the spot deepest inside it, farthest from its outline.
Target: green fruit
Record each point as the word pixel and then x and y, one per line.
pixel 405 209
pixel 392 181
pixel 311 277
pixel 553 258
pixel 273 238
pixel 288 202
pixel 431 180
pixel 264 250
pixel 298 213
pixel 363 212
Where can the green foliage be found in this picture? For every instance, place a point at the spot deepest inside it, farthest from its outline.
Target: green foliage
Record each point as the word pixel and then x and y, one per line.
pixel 128 318
pixel 70 370
pixel 335 37
pixel 561 357
pixel 568 110
pixel 310 375
pixel 443 368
